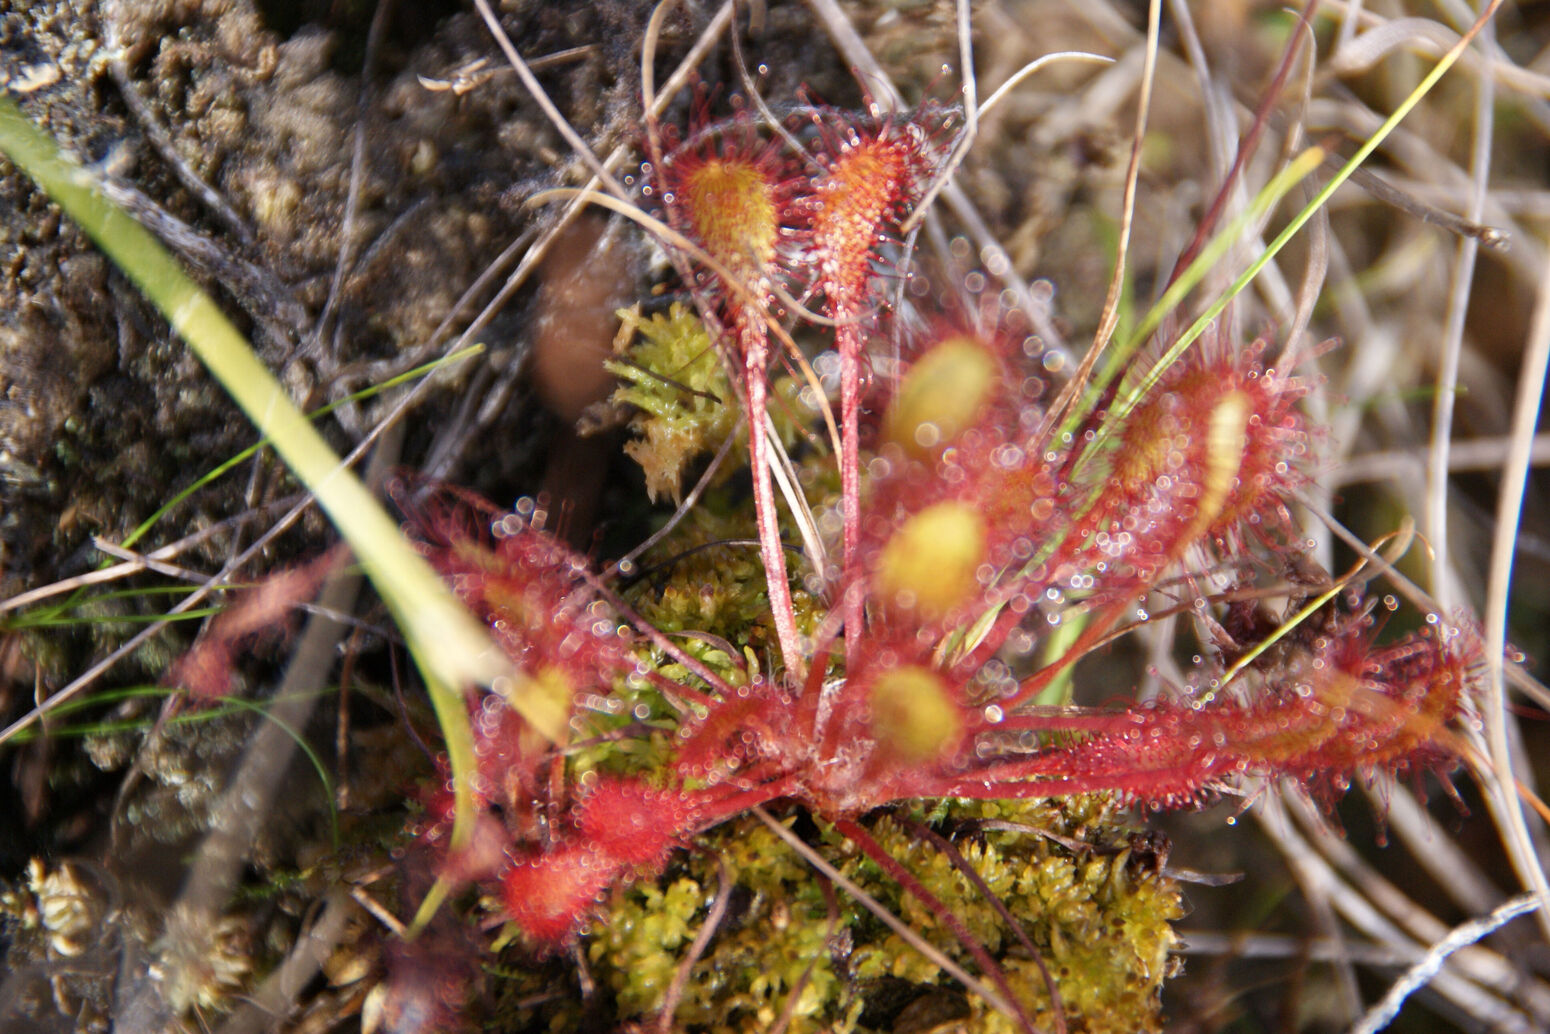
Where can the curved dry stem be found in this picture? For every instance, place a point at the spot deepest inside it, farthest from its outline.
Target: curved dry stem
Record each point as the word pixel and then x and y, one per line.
pixel 971 117
pixel 912 886
pixel 1444 583
pixel 971 874
pixel 1530 402
pixel 775 123
pixel 1110 314
pixel 1429 38
pixel 1480 992
pixel 790 485
pixel 648 79
pixel 1402 920
pixel 713 918
pixel 1426 968
pixel 1033 66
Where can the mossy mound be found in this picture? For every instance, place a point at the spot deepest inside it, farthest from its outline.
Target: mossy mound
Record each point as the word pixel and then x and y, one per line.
pixel 791 947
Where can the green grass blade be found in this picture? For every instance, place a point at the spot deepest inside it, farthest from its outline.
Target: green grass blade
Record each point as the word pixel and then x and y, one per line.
pixel 451 648
pixel 250 451
pixel 1295 172
pixel 446 641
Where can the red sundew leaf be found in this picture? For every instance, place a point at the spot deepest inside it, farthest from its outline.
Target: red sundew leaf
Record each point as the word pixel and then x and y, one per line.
pixel 527 587
pixel 731 194
pixel 205 671
pixel 970 450
pixel 733 199
pixel 852 204
pixel 868 175
pixel 632 823
pixel 872 171
pixel 549 893
pixel 735 731
pixel 1214 451
pixel 1343 708
pixel 509 757
pixel 622 828
pixel 950 387
pixel 730 205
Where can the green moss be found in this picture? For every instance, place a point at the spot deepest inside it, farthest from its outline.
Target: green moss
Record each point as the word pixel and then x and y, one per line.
pixel 1099 918
pixel 1100 922
pixel 707 577
pixel 673 379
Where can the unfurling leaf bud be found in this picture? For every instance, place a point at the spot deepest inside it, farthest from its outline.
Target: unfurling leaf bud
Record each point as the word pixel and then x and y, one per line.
pixel 942 395
pixel 914 714
pixel 930 564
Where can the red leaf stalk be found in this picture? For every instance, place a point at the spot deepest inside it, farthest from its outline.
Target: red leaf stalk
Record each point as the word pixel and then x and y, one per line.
pixel 1342 707
pixel 735 205
pixel 867 179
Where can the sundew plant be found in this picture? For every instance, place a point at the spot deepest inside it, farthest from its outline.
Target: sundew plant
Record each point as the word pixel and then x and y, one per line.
pixel 941 587
pixel 971 530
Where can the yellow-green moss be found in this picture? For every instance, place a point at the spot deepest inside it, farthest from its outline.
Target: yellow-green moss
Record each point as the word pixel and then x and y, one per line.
pixel 707 577
pixel 1099 918
pixel 673 379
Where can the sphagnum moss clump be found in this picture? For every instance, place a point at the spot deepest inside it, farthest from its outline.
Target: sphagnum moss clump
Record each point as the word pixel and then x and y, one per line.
pixel 678 393
pixel 1099 917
